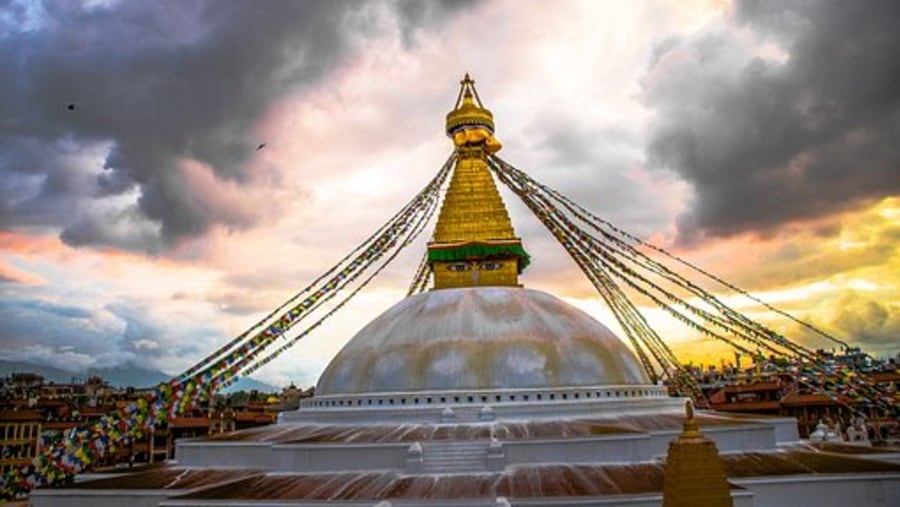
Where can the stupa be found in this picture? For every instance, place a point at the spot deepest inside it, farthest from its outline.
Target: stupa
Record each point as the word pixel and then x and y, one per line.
pixel 484 392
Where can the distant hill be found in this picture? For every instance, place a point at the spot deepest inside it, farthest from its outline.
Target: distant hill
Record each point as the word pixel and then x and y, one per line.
pixel 119 377
pixel 249 384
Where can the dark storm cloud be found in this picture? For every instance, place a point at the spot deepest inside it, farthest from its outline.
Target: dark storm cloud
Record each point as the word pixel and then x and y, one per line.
pixel 415 14
pixel 764 141
pixel 152 84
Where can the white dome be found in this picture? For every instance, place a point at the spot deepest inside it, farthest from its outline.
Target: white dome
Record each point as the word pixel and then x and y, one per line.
pixel 480 338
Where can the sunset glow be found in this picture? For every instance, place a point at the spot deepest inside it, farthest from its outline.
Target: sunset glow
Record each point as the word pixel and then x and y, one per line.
pixel 150 224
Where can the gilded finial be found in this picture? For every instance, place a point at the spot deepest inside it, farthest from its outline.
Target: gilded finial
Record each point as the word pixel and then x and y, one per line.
pixel 468 111
pixel 690 425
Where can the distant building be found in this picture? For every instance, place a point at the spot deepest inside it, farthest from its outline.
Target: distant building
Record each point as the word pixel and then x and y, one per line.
pixel 31 408
pixel 766 390
pixel 19 432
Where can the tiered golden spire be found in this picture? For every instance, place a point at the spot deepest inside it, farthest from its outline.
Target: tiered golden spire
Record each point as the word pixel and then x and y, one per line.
pixel 694 474
pixel 474 241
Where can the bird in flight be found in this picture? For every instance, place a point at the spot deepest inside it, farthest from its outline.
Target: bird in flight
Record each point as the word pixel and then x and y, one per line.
pixel 71 107
pixel 261 146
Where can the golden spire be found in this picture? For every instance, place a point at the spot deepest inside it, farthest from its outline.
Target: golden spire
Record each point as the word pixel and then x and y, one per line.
pixel 474 241
pixel 693 473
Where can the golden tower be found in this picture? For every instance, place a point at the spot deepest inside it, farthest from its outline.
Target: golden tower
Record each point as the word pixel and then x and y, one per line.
pixel 694 474
pixel 474 242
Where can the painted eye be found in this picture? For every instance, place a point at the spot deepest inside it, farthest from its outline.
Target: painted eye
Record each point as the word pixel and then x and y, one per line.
pixel 490 266
pixel 459 266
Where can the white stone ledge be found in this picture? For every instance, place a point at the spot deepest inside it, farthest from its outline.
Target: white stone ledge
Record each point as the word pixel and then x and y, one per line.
pixel 101 497
pixel 594 450
pixel 739 497
pixel 339 457
pixel 494 397
pixel 729 439
pixel 213 454
pixel 470 412
pixel 875 489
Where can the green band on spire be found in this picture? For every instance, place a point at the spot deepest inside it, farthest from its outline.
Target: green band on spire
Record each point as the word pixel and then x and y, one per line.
pixel 479 251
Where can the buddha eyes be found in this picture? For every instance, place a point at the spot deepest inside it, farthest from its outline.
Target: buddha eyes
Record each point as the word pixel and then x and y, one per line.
pixel 484 266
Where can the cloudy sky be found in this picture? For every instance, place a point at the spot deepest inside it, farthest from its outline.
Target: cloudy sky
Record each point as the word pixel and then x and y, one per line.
pixel 143 227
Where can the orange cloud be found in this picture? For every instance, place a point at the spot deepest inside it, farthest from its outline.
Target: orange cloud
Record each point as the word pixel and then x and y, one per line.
pixel 9 273
pixel 842 274
pixel 23 243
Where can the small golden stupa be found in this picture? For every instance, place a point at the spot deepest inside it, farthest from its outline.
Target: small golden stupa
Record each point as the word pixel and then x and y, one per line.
pixel 474 242
pixel 694 475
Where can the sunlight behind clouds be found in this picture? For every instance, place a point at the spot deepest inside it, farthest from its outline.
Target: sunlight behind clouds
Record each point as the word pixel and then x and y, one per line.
pixel 197 186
